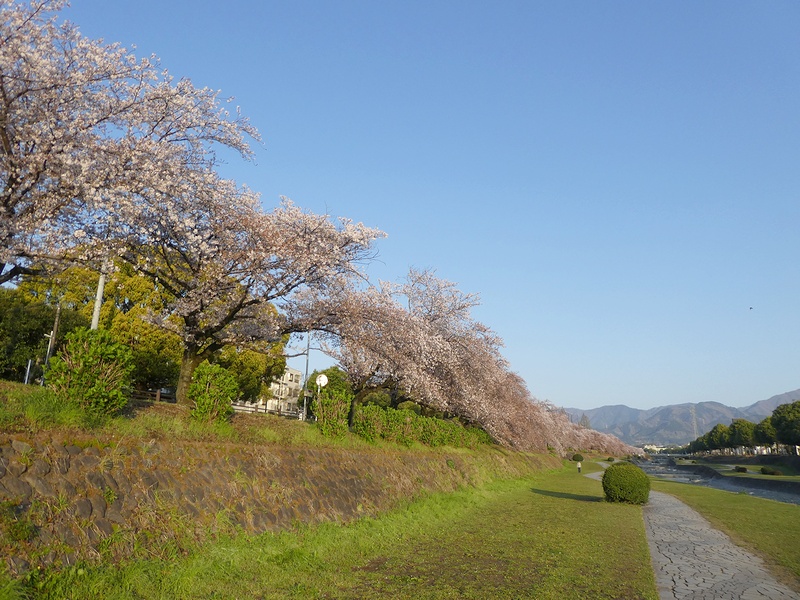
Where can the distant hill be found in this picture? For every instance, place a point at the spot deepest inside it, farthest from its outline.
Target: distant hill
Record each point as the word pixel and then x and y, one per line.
pixel 674 424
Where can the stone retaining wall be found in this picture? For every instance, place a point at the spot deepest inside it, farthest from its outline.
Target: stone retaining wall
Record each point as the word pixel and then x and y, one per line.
pixel 89 499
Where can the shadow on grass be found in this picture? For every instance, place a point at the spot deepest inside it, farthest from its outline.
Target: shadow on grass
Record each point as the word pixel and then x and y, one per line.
pixel 567 496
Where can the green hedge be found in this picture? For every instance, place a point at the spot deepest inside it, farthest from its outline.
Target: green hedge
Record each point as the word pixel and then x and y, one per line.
pixel 406 427
pixel 625 482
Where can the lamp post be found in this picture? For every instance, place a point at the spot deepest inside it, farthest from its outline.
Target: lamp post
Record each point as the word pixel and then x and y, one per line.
pixel 305 379
pixel 322 381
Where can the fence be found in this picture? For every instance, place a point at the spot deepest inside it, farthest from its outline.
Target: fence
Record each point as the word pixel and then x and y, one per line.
pixel 242 407
pixel 153 396
pixel 255 407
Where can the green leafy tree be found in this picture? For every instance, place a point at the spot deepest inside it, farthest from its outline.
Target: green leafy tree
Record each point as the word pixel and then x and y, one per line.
pixel 585 422
pixel 24 325
pixel 128 302
pixel 212 392
pixel 764 432
pixel 253 370
pixel 699 445
pixel 786 420
pixel 73 288
pixel 156 353
pixel 92 371
pixel 718 437
pixel 741 433
pixel 377 397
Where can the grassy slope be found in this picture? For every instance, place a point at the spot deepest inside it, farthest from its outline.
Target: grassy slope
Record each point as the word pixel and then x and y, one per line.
pixel 546 537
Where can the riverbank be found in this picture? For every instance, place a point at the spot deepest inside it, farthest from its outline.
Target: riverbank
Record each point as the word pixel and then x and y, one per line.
pixel 664 467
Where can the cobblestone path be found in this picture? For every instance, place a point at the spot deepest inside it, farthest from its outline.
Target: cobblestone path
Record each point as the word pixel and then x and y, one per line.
pixel 694 561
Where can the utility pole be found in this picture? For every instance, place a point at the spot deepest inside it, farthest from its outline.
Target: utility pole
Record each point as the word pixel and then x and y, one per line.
pixel 51 344
pixel 98 299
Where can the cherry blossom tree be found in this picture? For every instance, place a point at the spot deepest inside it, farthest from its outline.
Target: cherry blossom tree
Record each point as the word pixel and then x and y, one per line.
pixel 233 271
pixel 420 336
pixel 84 128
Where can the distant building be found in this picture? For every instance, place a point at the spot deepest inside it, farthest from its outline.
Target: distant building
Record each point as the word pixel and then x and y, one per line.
pixel 286 392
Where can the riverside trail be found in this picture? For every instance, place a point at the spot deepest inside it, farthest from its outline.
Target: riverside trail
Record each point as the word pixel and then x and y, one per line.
pixel 694 561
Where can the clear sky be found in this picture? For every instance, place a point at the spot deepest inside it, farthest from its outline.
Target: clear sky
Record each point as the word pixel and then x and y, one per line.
pixel 619 181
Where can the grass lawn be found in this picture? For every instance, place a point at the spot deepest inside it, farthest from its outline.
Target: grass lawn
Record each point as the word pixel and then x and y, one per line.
pixel 771 529
pixel 546 537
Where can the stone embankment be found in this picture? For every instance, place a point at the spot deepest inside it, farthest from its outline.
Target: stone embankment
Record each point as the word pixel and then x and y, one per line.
pixel 88 499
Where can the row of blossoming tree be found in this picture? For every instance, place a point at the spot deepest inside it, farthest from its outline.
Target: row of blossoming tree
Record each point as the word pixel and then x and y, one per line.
pixel 105 157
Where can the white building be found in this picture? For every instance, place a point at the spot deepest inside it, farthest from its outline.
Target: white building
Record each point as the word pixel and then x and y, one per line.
pixel 286 392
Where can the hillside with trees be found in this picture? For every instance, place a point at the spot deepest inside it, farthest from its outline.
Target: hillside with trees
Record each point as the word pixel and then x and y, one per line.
pixel 673 425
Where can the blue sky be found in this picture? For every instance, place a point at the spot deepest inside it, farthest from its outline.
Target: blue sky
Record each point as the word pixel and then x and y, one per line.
pixel 619 181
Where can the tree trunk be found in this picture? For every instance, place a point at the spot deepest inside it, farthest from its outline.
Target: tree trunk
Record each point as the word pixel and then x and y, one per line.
pixel 189 363
pixel 351 414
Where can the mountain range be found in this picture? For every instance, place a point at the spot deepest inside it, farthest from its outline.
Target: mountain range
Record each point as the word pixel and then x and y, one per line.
pixel 676 424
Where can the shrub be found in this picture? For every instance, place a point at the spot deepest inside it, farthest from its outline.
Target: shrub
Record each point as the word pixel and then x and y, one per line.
pixel 741 469
pixel 410 405
pixel 625 482
pixel 331 408
pixel 92 371
pixel 399 427
pixel 372 422
pixel 610 459
pixel 577 457
pixel 212 391
pixel 369 422
pixel 770 471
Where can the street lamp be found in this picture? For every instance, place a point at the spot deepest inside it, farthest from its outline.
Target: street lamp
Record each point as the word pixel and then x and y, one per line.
pixel 322 381
pixel 306 391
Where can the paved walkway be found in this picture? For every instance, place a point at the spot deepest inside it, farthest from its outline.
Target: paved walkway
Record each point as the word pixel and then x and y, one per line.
pixel 694 561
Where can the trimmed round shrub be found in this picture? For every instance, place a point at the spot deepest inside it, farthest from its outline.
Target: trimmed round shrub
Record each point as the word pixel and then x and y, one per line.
pixel 610 459
pixel 625 482
pixel 770 471
pixel 577 457
pixel 741 469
